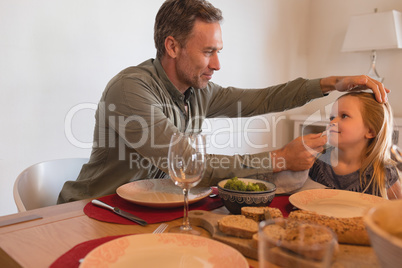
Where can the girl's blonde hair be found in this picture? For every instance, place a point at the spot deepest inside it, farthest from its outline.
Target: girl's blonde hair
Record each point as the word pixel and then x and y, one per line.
pixel 379 119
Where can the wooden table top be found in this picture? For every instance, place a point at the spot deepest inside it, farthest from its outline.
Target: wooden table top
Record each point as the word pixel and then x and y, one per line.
pixel 39 242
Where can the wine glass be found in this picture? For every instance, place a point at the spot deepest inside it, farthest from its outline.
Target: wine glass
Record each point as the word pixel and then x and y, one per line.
pixel 186 160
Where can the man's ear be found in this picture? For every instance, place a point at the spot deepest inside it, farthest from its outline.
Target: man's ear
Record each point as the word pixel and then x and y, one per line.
pixel 370 134
pixel 171 46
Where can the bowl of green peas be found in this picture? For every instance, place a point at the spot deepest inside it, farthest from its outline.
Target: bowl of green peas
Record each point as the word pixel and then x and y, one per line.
pixel 240 192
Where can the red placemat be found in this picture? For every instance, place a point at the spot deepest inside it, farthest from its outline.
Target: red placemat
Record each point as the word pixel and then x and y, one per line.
pixel 150 215
pixel 282 202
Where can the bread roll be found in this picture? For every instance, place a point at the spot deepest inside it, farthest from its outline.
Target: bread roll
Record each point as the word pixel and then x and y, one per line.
pixel 254 241
pixel 258 213
pixel 238 225
pixel 295 238
pixel 348 230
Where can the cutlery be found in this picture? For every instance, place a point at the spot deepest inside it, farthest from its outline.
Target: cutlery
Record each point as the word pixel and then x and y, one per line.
pixel 120 212
pixel 212 195
pixel 161 228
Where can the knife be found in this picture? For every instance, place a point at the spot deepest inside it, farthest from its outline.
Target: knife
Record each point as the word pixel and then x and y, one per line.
pixel 120 212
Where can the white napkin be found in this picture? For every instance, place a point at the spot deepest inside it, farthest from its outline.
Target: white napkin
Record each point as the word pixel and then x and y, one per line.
pixel 310 184
pixel 289 181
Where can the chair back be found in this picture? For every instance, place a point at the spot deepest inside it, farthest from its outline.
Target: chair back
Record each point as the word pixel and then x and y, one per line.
pixel 39 185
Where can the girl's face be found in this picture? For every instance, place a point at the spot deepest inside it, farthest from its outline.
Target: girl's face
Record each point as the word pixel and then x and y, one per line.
pixel 346 129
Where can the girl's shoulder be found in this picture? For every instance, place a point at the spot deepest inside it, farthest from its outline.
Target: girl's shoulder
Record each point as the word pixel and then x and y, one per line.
pixel 392 174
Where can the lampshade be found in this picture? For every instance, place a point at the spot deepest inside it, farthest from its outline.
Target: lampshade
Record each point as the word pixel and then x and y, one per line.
pixel 374 31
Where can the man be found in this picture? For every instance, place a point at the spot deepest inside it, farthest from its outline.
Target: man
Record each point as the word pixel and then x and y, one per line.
pixel 143 106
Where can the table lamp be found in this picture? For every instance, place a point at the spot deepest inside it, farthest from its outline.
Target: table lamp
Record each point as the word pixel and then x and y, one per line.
pixel 371 32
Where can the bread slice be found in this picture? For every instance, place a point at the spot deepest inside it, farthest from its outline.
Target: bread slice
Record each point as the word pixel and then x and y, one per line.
pixel 238 225
pixel 258 213
pixel 348 230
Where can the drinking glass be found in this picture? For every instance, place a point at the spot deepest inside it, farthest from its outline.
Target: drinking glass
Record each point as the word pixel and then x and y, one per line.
pixel 186 160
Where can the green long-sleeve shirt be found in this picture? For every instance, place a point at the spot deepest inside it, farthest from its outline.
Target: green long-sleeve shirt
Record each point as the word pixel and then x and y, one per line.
pixel 139 111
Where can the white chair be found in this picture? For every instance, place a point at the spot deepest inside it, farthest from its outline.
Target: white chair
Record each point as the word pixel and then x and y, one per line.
pixel 39 185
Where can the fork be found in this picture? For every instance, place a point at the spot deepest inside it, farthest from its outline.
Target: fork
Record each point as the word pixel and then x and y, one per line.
pixel 161 228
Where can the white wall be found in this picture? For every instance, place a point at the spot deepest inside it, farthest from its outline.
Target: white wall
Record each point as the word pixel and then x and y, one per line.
pixel 55 55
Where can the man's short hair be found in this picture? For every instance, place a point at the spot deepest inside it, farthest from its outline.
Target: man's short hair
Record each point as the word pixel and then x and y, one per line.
pixel 176 18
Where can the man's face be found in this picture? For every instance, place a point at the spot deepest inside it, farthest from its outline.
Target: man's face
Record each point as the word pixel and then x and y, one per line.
pixel 198 59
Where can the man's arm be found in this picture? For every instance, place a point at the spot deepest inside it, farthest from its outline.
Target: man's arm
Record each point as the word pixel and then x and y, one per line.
pixel 145 123
pixel 237 102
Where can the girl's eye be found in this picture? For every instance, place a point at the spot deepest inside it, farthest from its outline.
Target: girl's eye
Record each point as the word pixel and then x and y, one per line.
pixel 344 116
pixel 331 118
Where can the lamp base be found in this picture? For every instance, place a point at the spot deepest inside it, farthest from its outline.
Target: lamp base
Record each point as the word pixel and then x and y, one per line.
pixel 373 72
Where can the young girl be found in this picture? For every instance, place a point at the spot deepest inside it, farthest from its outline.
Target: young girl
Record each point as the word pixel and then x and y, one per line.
pixel 360 135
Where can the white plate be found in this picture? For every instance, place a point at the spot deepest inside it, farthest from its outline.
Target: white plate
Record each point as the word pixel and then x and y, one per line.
pixel 159 193
pixel 335 203
pixel 164 250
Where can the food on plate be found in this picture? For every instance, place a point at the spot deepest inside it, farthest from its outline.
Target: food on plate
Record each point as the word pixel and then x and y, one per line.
pixel 238 225
pixel 258 213
pixel 239 185
pixel 348 230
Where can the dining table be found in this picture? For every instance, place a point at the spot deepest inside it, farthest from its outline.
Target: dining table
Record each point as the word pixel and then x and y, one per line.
pixel 39 237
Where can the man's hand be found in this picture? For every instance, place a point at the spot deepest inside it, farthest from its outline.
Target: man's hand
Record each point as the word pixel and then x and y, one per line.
pixel 353 83
pixel 299 154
